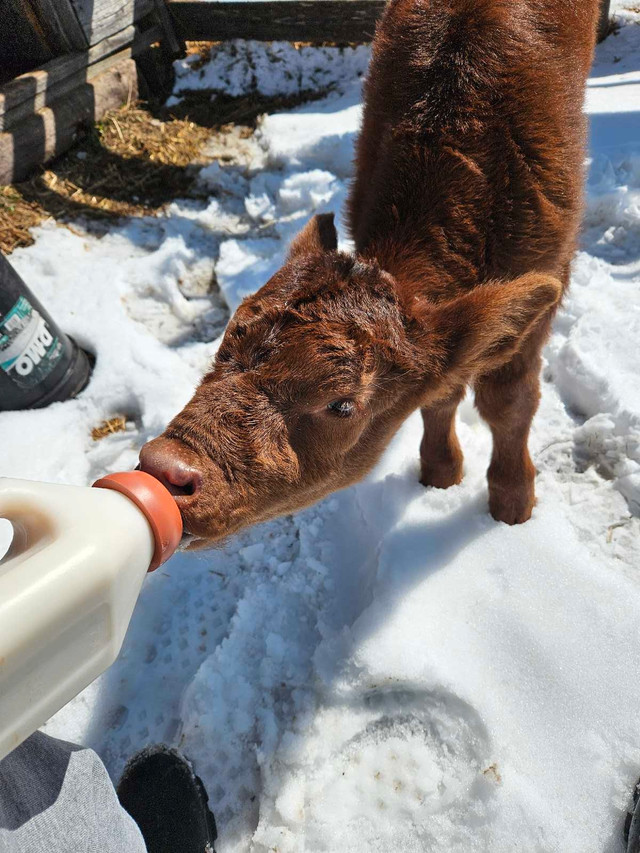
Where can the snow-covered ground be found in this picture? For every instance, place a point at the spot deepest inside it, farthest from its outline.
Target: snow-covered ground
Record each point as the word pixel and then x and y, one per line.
pixel 390 670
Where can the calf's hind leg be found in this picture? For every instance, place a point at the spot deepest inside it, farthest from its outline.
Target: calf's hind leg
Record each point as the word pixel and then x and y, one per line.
pixel 507 400
pixel 440 453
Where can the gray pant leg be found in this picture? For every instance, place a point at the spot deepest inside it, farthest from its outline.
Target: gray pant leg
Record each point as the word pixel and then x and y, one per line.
pixel 56 797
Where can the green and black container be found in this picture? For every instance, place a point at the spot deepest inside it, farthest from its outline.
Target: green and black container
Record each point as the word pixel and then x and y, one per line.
pixel 39 364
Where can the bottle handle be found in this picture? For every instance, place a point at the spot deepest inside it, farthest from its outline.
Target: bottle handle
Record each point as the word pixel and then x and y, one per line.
pixel 30 528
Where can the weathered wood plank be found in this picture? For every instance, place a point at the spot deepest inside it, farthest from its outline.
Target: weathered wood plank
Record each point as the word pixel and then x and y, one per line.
pixel 287 20
pixel 171 43
pixel 54 128
pixel 24 43
pixel 102 18
pixel 34 31
pixel 33 90
pixel 53 94
pixel 57 20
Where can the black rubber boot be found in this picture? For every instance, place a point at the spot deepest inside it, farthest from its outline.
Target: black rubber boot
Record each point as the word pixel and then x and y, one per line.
pixel 168 802
pixel 632 824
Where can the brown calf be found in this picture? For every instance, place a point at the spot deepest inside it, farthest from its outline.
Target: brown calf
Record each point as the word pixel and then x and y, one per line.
pixel 464 212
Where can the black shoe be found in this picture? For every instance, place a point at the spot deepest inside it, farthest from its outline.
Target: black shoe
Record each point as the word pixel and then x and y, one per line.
pixel 168 802
pixel 632 824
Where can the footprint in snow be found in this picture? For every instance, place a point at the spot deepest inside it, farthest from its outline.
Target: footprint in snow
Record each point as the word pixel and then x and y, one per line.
pixel 399 770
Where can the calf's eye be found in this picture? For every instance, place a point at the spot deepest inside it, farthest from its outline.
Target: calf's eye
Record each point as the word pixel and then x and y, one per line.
pixel 342 408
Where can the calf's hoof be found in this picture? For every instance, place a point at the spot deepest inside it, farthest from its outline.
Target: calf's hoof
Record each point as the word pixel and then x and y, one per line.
pixel 511 505
pixel 441 475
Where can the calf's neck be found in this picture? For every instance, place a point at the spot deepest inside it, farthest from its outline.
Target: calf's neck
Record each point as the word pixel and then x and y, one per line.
pixel 464 212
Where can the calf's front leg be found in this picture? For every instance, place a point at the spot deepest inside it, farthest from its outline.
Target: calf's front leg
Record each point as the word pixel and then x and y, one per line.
pixel 507 400
pixel 440 453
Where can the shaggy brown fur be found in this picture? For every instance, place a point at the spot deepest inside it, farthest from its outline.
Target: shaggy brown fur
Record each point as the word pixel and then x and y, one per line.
pixel 464 211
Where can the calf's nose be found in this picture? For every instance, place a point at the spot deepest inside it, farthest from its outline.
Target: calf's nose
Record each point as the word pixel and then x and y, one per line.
pixel 175 465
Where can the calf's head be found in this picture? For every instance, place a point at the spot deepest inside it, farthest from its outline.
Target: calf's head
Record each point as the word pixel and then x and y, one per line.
pixel 315 373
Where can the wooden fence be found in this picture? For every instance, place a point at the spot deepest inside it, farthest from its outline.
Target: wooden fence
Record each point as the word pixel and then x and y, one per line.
pixel 63 63
pixel 340 21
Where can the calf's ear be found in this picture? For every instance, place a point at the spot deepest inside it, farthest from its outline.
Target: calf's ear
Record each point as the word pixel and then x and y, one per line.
pixel 318 235
pixel 483 329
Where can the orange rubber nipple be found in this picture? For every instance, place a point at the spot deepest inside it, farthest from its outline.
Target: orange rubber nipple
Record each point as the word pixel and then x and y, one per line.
pixel 156 503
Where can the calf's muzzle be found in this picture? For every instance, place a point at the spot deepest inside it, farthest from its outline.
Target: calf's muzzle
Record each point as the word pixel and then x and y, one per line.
pixel 175 465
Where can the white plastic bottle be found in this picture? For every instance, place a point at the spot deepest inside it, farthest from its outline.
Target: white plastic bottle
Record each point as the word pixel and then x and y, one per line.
pixel 68 586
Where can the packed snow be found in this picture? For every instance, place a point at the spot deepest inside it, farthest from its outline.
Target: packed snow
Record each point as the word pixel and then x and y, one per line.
pixel 279 68
pixel 390 670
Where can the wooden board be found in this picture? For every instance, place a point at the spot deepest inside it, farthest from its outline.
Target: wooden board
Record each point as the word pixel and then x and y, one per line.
pixel 24 43
pixel 58 19
pixel 34 31
pixel 32 91
pixel 51 130
pixel 171 43
pixel 287 20
pixel 100 19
